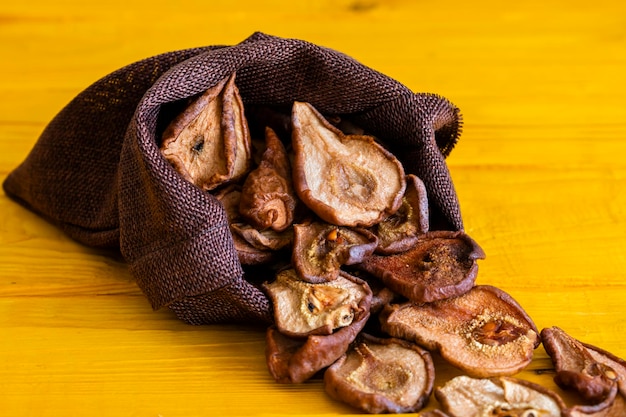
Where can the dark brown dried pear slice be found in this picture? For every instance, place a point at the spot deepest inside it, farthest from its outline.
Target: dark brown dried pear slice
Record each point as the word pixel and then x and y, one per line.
pixel 442 264
pixel 268 199
pixel 399 232
pixel 484 332
pixel 294 360
pixel 247 254
pixel 382 376
pixel 613 406
pixel 320 249
pixel 347 180
pixel 302 308
pixel 464 396
pixel 209 142
pixel 576 368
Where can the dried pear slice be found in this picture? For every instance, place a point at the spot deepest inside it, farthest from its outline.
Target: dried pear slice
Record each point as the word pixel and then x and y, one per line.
pixel 464 396
pixel 247 254
pixel 263 239
pixel 576 368
pixel 484 332
pixel 302 308
pixel 613 406
pixel 442 264
pixel 347 180
pixel 209 143
pixel 382 376
pixel 268 199
pixel 320 249
pixel 294 360
pixel 400 231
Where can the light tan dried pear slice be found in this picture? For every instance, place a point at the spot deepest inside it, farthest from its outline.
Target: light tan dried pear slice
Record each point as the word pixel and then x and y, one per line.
pixel 347 180
pixel 484 332
pixel 576 368
pixel 294 360
pixel 382 376
pixel 464 396
pixel 320 249
pixel 209 143
pixel 302 308
pixel 263 239
pixel 247 254
pixel 441 264
pixel 268 199
pixel 400 231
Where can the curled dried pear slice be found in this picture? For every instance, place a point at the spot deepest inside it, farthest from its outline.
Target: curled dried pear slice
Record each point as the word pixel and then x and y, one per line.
pixel 294 360
pixel 268 199
pixel 576 368
pixel 400 231
pixel 263 239
pixel 440 265
pixel 484 332
pixel 320 249
pixel 382 376
pixel 347 180
pixel 302 308
pixel 209 143
pixel 247 254
pixel 464 396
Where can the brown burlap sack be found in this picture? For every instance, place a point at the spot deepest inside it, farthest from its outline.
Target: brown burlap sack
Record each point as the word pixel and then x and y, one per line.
pixel 97 172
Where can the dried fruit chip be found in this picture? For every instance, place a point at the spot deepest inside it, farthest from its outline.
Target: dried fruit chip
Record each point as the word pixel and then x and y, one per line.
pixel 483 332
pixel 294 360
pixel 346 180
pixel 209 143
pixel 382 376
pixel 576 368
pixel 613 406
pixel 268 199
pixel 463 396
pixel 400 231
pixel 441 265
pixel 263 239
pixel 302 308
pixel 320 249
pixel 229 196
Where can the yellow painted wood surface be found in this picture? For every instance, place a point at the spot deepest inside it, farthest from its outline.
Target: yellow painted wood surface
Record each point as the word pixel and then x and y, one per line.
pixel 540 172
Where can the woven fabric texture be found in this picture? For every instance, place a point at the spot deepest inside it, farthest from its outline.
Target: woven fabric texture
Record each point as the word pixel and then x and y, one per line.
pixel 97 172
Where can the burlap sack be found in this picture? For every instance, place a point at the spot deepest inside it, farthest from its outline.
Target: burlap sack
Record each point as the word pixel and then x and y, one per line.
pixel 97 172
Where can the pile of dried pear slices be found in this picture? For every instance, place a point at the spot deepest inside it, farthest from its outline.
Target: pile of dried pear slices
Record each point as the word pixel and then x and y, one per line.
pixel 363 291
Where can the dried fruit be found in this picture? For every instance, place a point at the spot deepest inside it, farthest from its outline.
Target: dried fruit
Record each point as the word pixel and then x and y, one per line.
pixel 463 396
pixel 382 376
pixel 576 368
pixel 483 332
pixel 209 143
pixel 400 231
pixel 441 265
pixel 263 239
pixel 320 249
pixel 613 406
pixel 267 198
pixel 302 308
pixel 229 196
pixel 294 360
pixel 347 180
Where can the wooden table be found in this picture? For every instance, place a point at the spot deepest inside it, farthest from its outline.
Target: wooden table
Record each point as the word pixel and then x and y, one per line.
pixel 540 172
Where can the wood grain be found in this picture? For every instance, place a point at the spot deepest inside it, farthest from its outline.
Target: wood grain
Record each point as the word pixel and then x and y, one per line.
pixel 539 170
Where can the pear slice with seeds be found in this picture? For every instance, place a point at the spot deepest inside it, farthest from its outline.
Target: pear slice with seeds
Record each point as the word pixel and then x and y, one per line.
pixel 382 376
pixel 484 332
pixel 347 180
pixel 320 249
pixel 302 308
pixel 209 143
